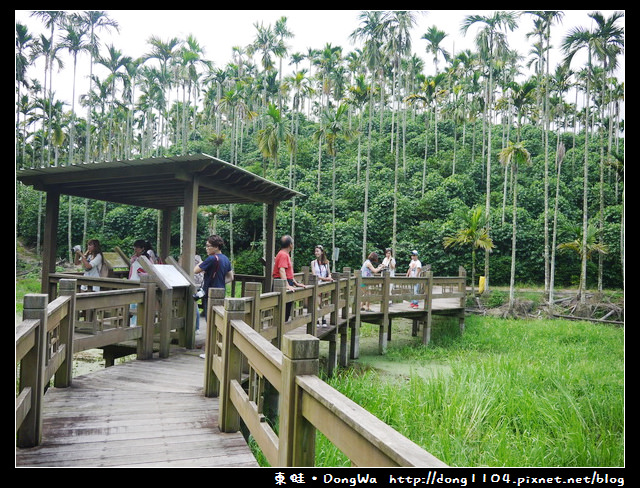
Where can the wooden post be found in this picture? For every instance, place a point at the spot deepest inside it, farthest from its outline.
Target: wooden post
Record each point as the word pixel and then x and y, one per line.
pixel 335 299
pixel 229 418
pixel 462 288
pixel 355 328
pixel 306 273
pixel 415 326
pixel 296 445
pixel 428 305
pixel 348 293
pixel 211 381
pixel 313 304
pixel 343 312
pixel 165 236
pixel 215 296
pixel 253 290
pixel 146 313
pixel 50 246
pixel 280 317
pixel 270 244
pixel 32 371
pixel 189 223
pixel 384 308
pixel 191 317
pixel 65 372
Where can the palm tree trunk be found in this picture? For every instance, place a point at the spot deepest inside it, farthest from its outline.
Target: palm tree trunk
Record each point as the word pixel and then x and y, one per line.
pixel 512 281
pixel 585 206
pixel 366 177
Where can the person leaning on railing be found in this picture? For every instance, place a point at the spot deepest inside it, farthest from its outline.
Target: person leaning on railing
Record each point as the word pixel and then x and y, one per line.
pixel 283 268
pixel 368 270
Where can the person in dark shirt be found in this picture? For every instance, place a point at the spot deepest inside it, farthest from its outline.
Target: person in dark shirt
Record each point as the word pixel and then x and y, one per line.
pixel 215 267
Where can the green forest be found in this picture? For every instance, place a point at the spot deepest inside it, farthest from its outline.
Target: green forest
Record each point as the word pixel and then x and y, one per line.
pixel 519 180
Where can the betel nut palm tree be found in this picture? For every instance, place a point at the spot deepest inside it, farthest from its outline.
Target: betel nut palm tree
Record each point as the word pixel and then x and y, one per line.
pixel 514 155
pixel 585 246
pixel 491 42
pixel 474 235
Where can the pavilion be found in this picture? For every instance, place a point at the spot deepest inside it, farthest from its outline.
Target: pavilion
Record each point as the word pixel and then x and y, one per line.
pixel 163 183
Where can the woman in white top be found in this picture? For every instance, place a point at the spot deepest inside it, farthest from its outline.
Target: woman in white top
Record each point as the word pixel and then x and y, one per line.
pixel 321 267
pixel 91 261
pixel 389 264
pixel 415 266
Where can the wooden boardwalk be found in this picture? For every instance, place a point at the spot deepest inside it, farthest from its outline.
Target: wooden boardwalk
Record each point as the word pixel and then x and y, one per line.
pixel 137 414
pixel 153 413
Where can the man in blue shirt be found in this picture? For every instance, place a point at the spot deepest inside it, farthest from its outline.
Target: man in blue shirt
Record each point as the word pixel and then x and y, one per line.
pixel 214 267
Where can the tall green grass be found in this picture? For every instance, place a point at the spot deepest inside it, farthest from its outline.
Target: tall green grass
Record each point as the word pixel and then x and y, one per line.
pixel 518 393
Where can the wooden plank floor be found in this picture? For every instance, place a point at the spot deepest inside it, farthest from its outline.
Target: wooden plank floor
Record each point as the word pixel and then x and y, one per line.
pixel 137 414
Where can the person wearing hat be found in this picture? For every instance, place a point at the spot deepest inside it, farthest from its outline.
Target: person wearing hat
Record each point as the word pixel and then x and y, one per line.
pixel 415 266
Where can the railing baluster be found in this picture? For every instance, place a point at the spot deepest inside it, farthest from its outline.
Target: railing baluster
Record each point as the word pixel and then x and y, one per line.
pixel 65 372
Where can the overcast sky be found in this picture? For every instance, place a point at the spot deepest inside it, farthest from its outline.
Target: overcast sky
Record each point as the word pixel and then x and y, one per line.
pixel 220 30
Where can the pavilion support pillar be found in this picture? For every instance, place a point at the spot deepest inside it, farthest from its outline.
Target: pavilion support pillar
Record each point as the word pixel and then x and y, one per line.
pixel 50 240
pixel 270 245
pixel 189 227
pixel 165 235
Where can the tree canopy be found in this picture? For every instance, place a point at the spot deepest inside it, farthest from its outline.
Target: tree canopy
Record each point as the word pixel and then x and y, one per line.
pixel 384 154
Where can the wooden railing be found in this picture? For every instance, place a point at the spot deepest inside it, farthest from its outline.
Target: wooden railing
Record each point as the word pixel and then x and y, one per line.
pixel 44 349
pixel 243 366
pixel 51 332
pixel 172 309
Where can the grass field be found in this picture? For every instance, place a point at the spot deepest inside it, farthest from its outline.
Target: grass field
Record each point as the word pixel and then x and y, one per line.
pixel 505 393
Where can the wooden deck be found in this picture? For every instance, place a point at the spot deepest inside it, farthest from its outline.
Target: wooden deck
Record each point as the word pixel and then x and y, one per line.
pixel 440 306
pixel 137 414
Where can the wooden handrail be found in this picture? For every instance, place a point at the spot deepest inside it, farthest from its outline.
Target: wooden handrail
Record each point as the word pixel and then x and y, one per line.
pixel 247 348
pixel 306 403
pixel 361 436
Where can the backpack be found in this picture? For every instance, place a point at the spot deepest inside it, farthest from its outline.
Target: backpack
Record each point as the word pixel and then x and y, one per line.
pixel 104 268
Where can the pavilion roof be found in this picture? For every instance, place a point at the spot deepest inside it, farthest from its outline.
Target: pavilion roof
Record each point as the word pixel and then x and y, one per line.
pixel 158 182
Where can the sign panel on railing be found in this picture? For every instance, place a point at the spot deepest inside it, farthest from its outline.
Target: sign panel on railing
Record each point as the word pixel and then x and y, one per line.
pixel 171 275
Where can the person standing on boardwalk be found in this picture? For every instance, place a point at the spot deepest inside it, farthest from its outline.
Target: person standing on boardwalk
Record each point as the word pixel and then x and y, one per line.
pixel 389 264
pixel 215 267
pixel 415 266
pixel 321 267
pixel 369 270
pixel 135 268
pixel 91 260
pixel 283 268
